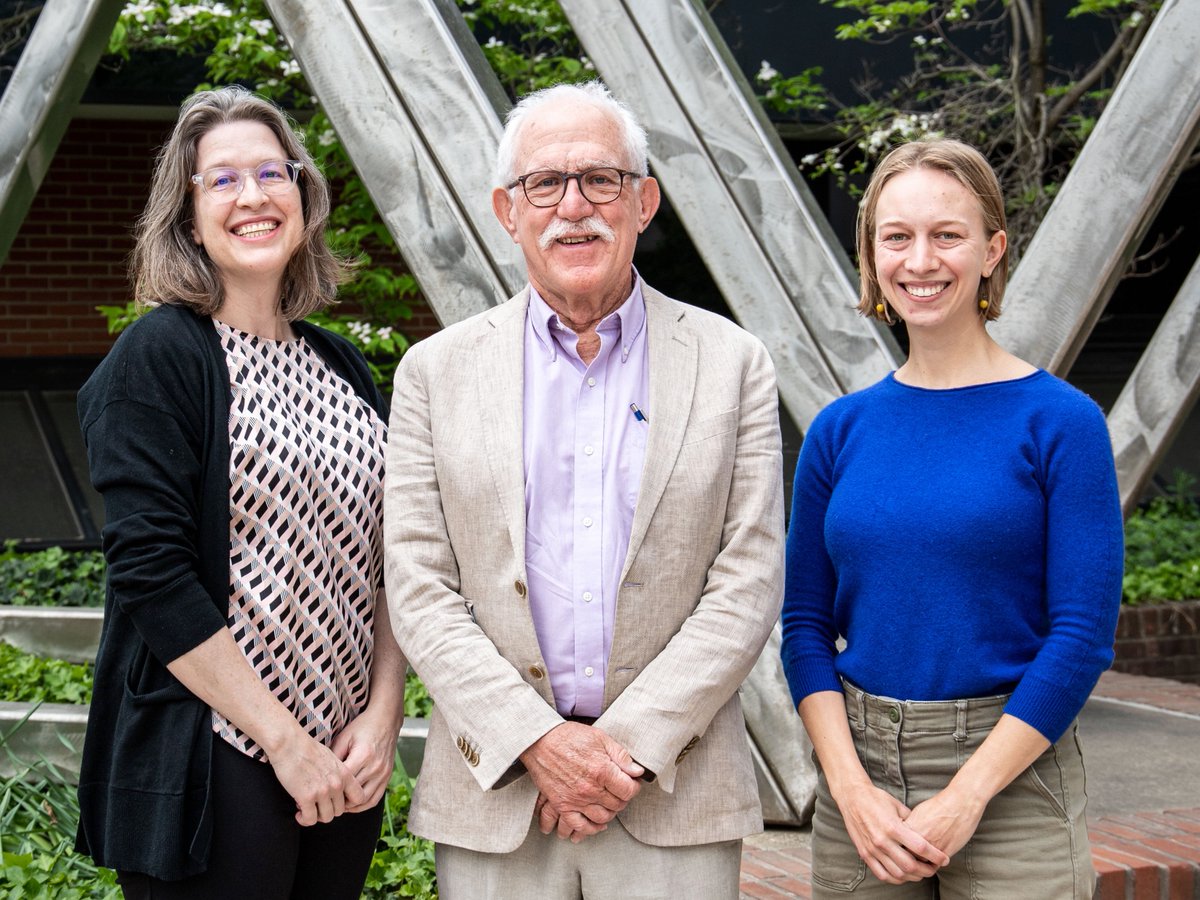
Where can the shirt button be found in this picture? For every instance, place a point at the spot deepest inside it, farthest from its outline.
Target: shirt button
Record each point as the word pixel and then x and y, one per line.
pixel 536 671
pixel 894 714
pixel 519 586
pixel 587 521
pixel 589 671
pixel 591 382
pixel 587 596
pixel 588 450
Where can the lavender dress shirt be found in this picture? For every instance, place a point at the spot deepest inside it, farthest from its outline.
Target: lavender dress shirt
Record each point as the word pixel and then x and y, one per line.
pixel 584 446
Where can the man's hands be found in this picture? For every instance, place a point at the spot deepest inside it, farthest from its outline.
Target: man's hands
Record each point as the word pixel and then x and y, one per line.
pixel 584 778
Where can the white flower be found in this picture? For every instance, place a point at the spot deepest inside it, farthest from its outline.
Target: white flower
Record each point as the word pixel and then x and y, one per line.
pixel 289 67
pixel 262 26
pixel 766 72
pixel 808 159
pixel 326 137
pixel 920 40
pixel 384 333
pixel 493 42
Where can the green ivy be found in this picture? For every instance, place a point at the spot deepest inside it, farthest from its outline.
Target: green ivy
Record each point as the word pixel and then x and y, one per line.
pixel 28 678
pixel 1162 547
pixel 52 577
pixel 403 863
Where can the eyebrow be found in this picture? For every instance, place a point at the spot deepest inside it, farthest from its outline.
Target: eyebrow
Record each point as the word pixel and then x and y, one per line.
pixel 941 223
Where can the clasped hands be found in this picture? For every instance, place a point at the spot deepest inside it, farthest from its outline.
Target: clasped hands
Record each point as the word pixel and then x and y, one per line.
pixel 584 778
pixel 349 777
pixel 900 845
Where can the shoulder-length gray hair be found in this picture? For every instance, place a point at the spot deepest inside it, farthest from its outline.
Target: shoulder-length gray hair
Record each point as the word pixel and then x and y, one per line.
pixel 167 265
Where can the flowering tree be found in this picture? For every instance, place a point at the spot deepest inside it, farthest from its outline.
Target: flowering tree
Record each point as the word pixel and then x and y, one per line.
pixel 529 44
pixel 985 71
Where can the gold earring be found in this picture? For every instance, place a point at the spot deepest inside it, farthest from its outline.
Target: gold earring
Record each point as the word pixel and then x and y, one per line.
pixel 983 304
pixel 879 308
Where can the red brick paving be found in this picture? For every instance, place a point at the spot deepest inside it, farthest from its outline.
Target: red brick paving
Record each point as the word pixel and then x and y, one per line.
pixel 1141 856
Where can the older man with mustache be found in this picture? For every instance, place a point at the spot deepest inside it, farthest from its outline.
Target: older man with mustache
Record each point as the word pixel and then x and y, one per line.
pixel 584 545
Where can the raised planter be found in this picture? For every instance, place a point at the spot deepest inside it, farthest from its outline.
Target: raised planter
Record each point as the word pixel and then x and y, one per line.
pixel 54 732
pixel 1160 639
pixel 70 633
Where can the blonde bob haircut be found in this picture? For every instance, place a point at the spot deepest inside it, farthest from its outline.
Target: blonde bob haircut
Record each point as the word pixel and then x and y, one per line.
pixel 167 266
pixel 968 167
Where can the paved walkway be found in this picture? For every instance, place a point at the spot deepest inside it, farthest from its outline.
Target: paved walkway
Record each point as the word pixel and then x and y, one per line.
pixel 1142 744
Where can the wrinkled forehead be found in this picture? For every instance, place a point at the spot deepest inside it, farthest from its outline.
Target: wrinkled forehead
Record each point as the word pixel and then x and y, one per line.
pixel 570 135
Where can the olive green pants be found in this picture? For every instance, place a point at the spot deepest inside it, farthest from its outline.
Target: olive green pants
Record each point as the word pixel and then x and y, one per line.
pixel 1032 842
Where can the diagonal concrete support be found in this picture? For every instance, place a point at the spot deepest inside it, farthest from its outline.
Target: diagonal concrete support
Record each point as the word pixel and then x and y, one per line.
pixel 1090 234
pixel 1159 395
pixel 411 96
pixel 41 97
pixel 738 193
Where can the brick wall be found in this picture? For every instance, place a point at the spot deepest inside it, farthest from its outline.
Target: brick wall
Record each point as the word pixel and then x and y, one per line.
pixel 1162 640
pixel 71 253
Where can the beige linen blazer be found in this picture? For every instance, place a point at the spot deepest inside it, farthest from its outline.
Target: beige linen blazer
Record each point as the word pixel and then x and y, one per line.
pixel 699 593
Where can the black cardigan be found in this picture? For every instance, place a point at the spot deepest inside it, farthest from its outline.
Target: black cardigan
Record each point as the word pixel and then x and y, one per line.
pixel 155 419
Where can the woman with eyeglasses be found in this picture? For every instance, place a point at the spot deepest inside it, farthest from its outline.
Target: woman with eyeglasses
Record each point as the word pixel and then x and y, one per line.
pixel 248 687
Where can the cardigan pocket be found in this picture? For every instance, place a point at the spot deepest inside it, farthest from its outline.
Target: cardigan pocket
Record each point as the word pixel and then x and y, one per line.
pixel 157 727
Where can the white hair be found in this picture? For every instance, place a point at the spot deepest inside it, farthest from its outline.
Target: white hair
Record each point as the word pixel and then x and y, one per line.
pixel 592 92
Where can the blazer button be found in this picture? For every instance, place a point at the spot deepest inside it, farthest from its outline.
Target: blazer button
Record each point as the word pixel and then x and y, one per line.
pixel 687 749
pixel 473 759
pixel 519 585
pixel 536 671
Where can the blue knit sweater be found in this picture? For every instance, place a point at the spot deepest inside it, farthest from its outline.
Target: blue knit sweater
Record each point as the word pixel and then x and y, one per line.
pixel 965 542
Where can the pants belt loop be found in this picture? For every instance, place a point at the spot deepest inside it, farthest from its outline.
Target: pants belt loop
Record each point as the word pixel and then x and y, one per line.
pixel 861 697
pixel 960 720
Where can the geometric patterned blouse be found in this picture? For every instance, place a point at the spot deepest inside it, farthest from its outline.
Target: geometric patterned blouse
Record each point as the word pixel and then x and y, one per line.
pixel 305 501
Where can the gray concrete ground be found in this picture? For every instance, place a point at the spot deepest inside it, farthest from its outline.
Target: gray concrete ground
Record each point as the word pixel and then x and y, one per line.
pixel 1139 759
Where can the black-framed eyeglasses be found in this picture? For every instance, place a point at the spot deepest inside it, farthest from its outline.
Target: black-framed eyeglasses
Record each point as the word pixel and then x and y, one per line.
pixel 547 187
pixel 275 176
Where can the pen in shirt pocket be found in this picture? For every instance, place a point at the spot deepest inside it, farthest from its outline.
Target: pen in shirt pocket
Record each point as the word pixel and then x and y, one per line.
pixel 638 414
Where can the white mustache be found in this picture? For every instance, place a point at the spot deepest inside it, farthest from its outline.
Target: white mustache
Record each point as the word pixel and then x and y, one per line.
pixel 592 226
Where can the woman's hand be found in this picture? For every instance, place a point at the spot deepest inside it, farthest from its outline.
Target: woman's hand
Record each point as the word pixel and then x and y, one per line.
pixel 947 819
pixel 367 747
pixel 893 850
pixel 320 783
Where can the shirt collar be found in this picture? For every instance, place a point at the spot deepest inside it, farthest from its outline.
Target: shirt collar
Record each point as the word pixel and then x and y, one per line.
pixel 626 322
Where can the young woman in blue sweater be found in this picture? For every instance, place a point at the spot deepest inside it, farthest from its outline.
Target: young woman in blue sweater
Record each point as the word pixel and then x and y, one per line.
pixel 958 525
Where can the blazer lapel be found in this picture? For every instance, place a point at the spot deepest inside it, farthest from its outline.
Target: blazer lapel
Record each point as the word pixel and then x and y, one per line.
pixel 500 398
pixel 673 354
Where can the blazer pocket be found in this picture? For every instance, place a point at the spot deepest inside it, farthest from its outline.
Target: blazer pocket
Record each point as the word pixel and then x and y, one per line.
pixel 712 426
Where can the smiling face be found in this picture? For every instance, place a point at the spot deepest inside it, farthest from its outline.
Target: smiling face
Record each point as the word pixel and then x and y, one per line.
pixel 932 249
pixel 579 254
pixel 251 237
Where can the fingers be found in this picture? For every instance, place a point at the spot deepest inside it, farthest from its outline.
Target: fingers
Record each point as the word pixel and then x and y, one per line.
pixel 576 826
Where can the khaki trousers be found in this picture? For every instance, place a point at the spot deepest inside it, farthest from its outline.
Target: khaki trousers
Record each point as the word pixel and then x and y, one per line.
pixel 611 865
pixel 1032 842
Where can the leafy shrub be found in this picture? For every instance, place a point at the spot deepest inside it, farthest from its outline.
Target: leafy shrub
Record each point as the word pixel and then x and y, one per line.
pixel 403 863
pixel 26 678
pixel 39 813
pixel 1162 547
pixel 52 577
